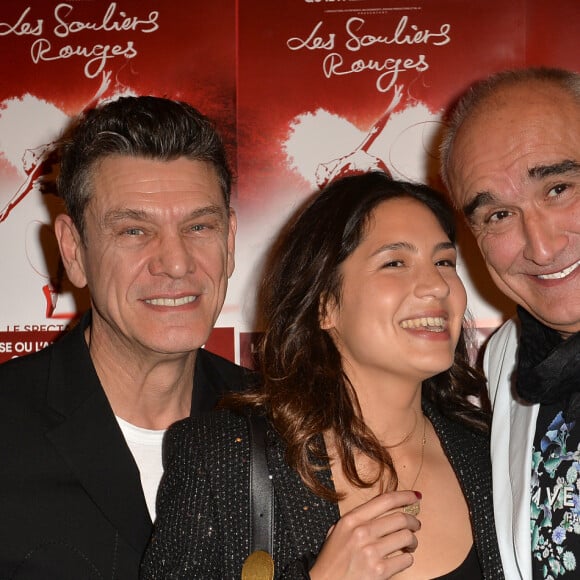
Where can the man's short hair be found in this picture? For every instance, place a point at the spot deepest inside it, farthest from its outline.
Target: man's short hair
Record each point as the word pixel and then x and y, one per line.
pixel 478 93
pixel 150 127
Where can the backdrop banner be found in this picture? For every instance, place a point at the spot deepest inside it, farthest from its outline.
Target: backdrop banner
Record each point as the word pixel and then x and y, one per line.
pixel 302 91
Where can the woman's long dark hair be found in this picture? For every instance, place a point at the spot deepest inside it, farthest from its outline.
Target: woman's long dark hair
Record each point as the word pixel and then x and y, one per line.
pixel 305 391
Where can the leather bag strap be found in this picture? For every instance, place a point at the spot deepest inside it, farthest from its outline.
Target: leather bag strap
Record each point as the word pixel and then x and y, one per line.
pixel 261 493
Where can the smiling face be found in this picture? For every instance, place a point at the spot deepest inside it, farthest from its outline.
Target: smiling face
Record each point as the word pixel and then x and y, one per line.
pixel 402 302
pixel 515 171
pixel 157 254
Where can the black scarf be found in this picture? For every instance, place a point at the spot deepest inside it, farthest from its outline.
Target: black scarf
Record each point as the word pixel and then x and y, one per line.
pixel 548 366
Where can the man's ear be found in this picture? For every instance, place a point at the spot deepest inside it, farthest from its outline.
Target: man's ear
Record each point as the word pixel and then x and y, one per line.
pixel 71 249
pixel 231 243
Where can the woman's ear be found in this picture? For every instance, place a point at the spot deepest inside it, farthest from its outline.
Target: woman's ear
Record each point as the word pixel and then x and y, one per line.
pixel 327 309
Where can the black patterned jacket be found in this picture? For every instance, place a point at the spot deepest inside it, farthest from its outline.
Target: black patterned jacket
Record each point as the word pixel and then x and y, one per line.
pixel 202 528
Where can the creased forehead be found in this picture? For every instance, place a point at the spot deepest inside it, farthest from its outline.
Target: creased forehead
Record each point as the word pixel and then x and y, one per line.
pixel 522 99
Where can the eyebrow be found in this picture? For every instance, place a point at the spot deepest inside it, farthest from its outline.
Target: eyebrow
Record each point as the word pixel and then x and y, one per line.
pixel 481 199
pixel 538 172
pixel 117 215
pixel 411 248
pixel 541 171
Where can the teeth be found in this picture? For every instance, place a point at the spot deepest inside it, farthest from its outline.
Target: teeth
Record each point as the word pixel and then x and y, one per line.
pixel 432 323
pixel 561 274
pixel 171 301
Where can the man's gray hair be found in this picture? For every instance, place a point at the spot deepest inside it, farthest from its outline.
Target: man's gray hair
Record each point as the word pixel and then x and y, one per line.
pixel 478 93
pixel 150 127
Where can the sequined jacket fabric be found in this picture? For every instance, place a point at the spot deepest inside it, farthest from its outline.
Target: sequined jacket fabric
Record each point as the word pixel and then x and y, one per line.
pixel 202 528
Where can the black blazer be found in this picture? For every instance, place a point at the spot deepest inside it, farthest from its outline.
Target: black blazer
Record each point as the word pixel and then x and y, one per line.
pixel 202 528
pixel 71 501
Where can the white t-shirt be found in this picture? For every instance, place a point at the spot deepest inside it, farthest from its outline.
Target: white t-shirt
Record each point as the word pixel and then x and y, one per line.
pixel 145 445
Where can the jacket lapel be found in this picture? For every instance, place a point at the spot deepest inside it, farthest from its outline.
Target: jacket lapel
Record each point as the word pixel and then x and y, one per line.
pixel 522 430
pixel 468 455
pixel 213 377
pixel 209 385
pixel 91 442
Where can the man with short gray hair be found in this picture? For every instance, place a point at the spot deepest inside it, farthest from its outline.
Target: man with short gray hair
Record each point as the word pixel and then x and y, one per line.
pixel 511 161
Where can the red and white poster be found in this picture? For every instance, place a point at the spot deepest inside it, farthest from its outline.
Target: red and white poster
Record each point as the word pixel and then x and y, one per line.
pixel 59 58
pixel 302 90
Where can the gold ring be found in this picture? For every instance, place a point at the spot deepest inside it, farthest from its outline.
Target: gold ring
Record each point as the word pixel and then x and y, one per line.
pixel 412 509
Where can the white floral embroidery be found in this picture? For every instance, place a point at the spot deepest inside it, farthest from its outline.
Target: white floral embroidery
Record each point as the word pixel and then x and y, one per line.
pixel 555 510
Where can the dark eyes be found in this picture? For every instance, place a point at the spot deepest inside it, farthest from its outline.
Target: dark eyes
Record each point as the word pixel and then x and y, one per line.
pixel 497 216
pixel 557 190
pixel 447 262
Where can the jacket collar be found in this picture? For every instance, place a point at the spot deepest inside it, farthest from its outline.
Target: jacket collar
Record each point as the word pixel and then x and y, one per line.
pixel 548 366
pixel 214 376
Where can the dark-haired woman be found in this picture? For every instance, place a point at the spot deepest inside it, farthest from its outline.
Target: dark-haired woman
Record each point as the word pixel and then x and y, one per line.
pixel 377 447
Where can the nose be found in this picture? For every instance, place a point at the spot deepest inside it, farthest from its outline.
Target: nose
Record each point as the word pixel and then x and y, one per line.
pixel 171 257
pixel 543 239
pixel 430 283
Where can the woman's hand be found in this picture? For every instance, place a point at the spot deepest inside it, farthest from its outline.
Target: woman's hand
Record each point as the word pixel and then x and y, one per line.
pixel 371 542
